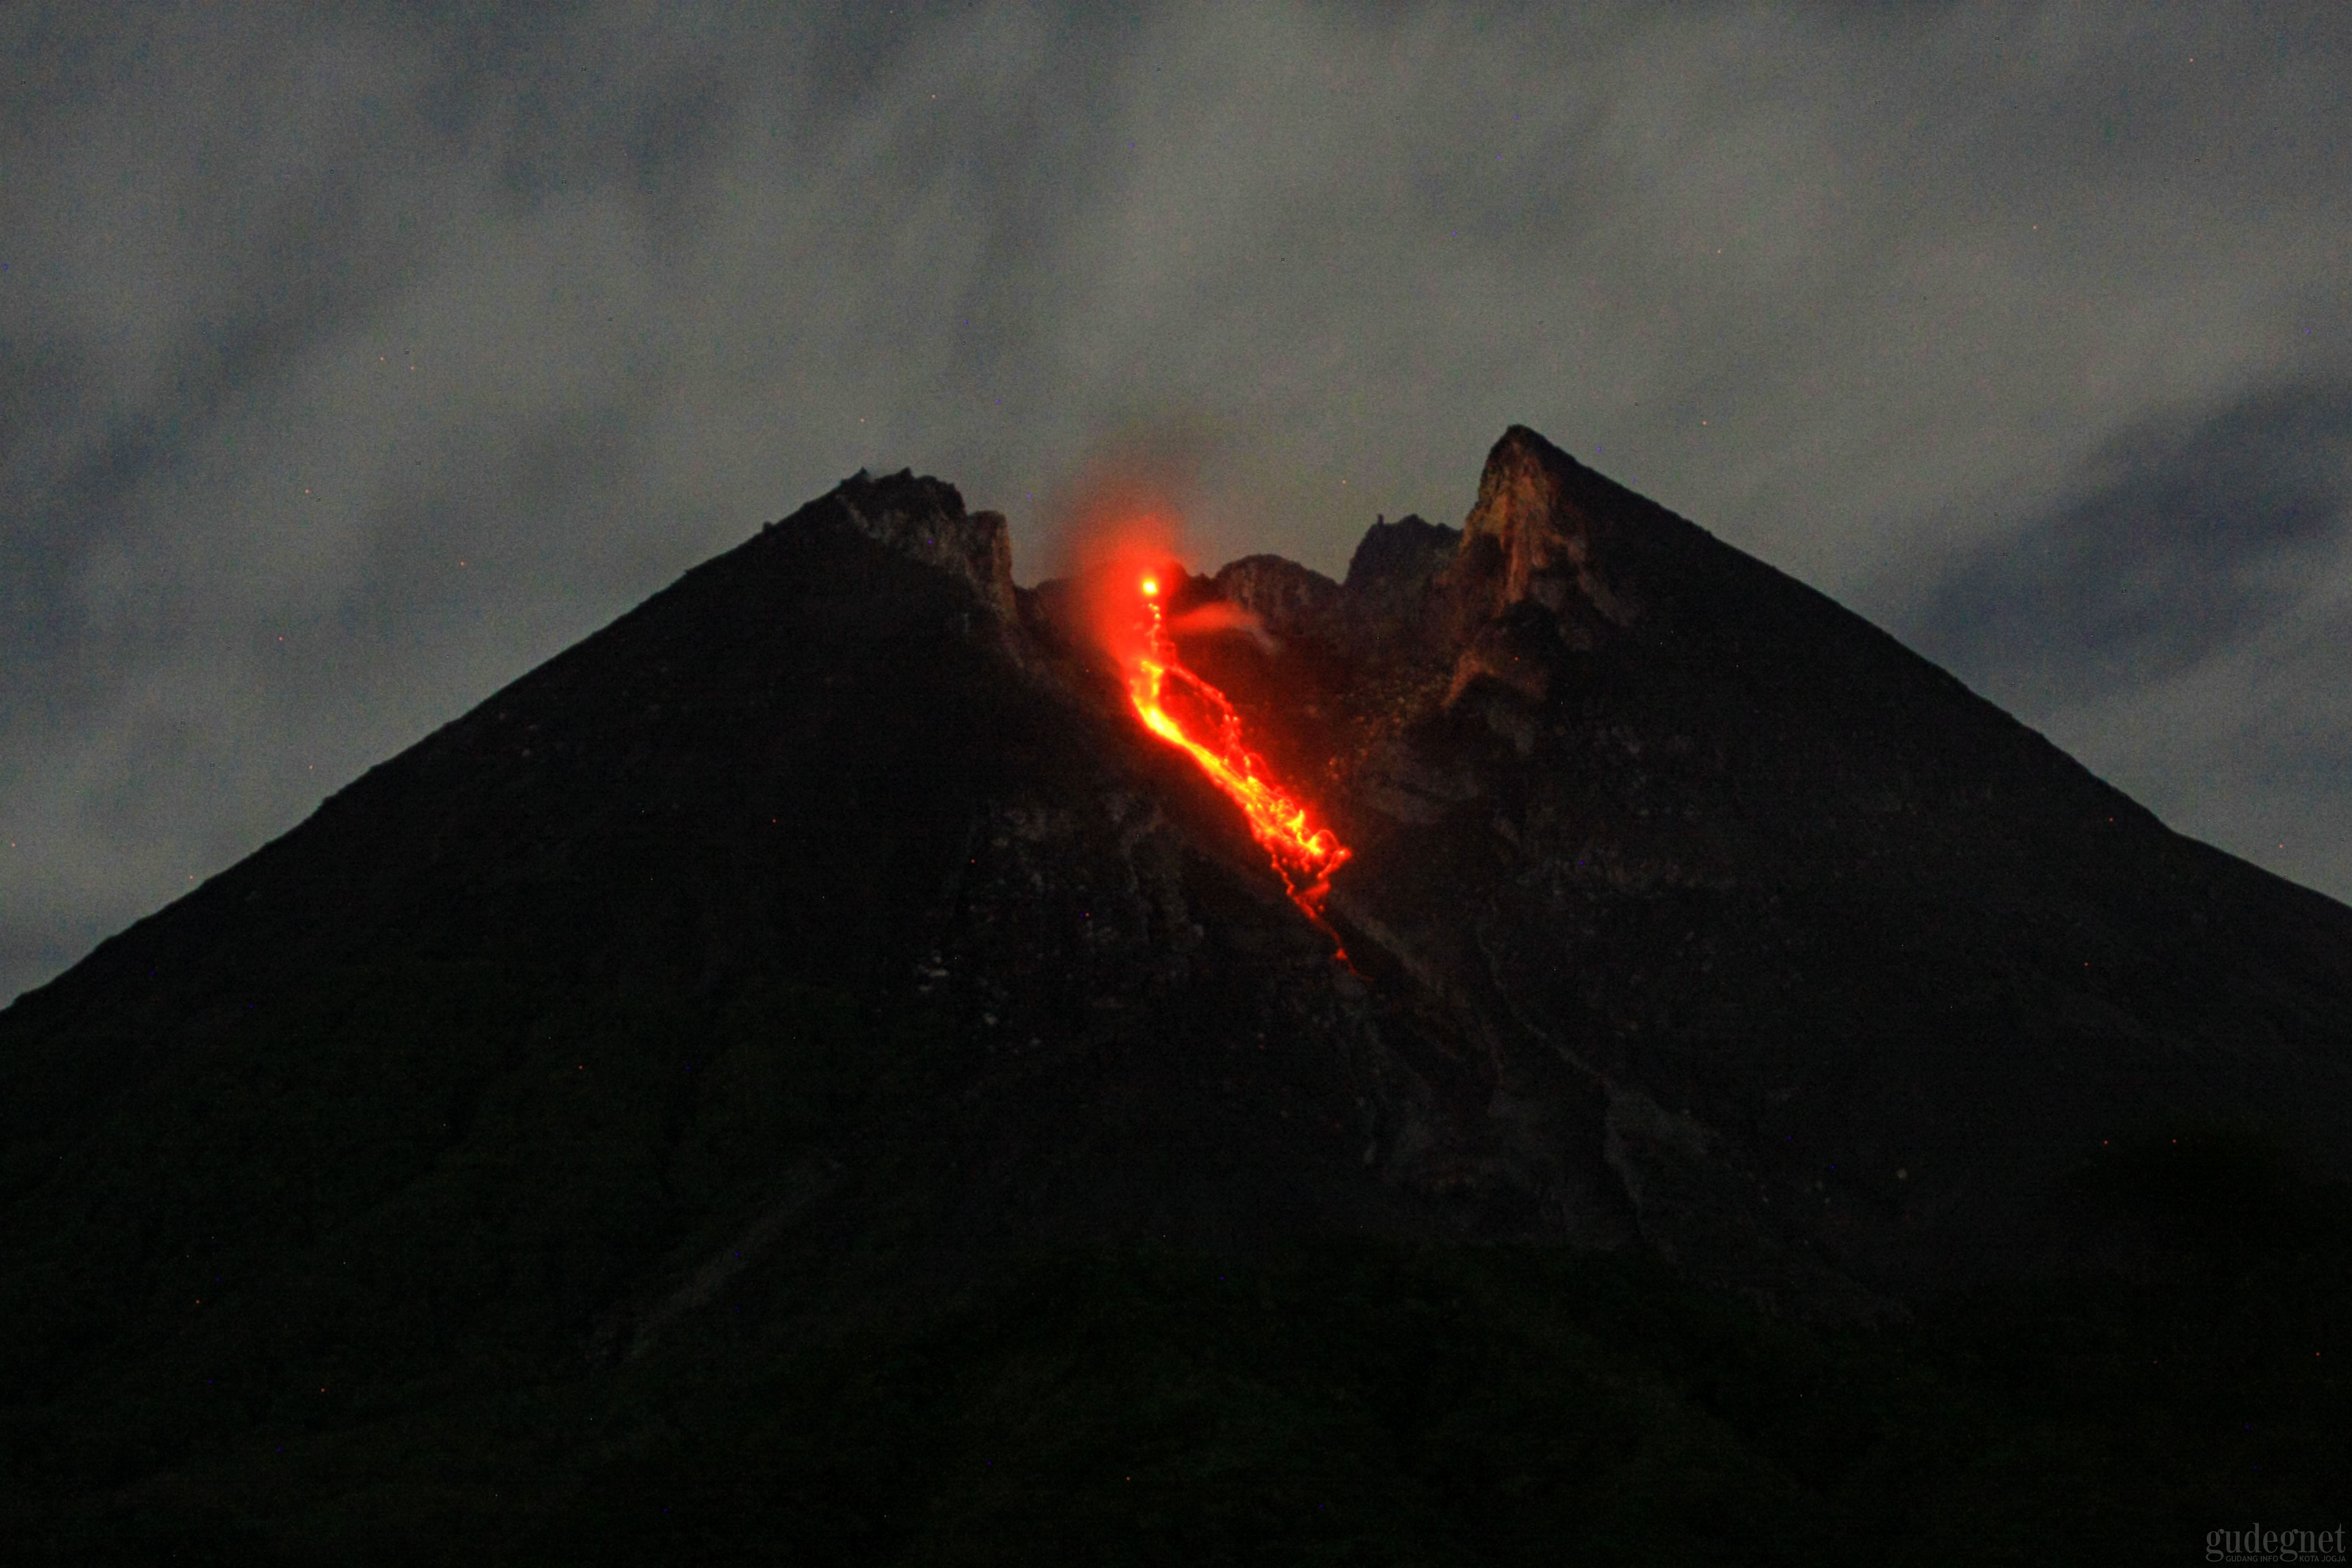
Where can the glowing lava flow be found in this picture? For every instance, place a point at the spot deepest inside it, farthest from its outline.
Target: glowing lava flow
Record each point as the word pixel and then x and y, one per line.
pixel 1173 704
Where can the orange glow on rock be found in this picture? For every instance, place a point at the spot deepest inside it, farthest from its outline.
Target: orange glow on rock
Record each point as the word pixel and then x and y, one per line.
pixel 1195 717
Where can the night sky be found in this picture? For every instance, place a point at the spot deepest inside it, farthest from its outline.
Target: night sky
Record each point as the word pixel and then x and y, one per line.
pixel 356 359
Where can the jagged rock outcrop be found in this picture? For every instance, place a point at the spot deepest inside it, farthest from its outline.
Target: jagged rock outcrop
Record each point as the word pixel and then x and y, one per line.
pixel 1280 593
pixel 1542 533
pixel 1392 582
pixel 924 520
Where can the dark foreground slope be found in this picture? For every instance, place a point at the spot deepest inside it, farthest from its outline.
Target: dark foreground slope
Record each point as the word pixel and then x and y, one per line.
pixel 799 1075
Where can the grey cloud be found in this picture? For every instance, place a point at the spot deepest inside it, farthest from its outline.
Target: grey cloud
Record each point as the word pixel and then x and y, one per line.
pixel 2252 748
pixel 463 514
pixel 2183 543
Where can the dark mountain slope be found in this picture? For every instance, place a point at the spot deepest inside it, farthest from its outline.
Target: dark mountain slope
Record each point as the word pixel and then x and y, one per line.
pixel 793 869
pixel 1894 960
pixel 1757 918
pixel 747 983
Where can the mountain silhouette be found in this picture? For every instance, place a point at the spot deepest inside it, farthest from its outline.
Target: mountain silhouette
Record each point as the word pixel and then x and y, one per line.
pixel 825 937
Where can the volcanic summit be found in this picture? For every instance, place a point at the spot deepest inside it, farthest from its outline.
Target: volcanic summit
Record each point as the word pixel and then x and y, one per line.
pixel 831 917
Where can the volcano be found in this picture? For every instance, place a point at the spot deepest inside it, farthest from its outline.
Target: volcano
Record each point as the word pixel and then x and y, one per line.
pixel 537 1144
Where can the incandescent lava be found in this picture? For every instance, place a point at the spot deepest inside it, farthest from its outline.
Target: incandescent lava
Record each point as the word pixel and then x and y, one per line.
pixel 1193 716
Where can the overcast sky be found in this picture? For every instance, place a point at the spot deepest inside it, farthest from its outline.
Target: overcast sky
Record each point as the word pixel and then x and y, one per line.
pixel 353 360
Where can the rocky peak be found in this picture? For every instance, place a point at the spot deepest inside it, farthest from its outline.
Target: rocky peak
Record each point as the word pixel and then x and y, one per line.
pixel 1534 535
pixel 924 518
pixel 1285 596
pixel 1406 550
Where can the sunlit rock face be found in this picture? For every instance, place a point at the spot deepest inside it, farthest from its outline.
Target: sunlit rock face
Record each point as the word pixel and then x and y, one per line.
pixel 1533 538
pixel 1687 910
